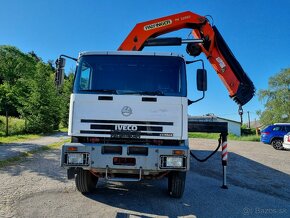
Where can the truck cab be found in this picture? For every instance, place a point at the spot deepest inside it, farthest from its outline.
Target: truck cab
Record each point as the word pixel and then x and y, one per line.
pixel 128 119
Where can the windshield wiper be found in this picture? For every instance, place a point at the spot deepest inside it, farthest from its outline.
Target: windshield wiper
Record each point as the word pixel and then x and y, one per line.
pixel 133 92
pixel 152 93
pixel 157 92
pixel 107 91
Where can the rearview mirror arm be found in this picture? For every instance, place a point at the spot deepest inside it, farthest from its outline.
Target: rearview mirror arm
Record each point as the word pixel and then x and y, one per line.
pixel 203 92
pixel 199 60
pixel 191 102
pixel 75 59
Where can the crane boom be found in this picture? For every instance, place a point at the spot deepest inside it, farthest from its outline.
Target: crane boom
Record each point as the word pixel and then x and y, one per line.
pixel 238 84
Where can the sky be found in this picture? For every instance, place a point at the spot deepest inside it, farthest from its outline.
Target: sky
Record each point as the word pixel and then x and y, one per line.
pixel 257 31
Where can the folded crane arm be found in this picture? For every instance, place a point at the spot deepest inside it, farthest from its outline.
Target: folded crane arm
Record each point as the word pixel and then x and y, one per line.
pixel 238 84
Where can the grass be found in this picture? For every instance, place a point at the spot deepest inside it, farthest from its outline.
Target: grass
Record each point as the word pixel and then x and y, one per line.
pixel 17 129
pixel 63 129
pixel 203 135
pixel 15 125
pixel 25 137
pixel 18 138
pixel 23 155
pixel 252 138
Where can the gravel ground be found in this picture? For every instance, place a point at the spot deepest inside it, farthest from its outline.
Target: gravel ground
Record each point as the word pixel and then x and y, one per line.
pixel 15 149
pixel 258 179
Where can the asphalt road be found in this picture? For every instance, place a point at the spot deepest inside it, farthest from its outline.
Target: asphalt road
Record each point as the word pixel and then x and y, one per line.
pixel 258 179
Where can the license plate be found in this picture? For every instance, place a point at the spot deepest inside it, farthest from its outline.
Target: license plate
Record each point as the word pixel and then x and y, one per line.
pixel 125 134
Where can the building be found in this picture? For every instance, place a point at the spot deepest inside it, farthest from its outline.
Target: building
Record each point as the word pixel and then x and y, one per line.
pixel 234 127
pixel 256 124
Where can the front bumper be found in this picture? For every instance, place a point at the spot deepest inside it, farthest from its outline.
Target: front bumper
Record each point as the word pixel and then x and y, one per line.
pixel 125 158
pixel 286 146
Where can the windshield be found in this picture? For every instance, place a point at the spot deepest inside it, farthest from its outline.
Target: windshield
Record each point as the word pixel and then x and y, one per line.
pixel 131 74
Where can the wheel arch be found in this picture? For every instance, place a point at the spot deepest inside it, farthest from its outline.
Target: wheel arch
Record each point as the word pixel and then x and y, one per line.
pixel 276 137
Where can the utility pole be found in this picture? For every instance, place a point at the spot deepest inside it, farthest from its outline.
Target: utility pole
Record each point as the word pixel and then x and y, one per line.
pixel 249 121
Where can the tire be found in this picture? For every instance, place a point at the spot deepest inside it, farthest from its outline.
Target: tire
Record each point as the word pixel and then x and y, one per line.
pixel 176 184
pixel 277 144
pixel 85 181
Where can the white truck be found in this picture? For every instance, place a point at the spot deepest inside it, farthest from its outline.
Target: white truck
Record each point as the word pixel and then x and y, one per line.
pixel 128 119
pixel 128 110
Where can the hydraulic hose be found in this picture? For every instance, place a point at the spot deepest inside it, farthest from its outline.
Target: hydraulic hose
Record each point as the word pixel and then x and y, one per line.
pixel 205 159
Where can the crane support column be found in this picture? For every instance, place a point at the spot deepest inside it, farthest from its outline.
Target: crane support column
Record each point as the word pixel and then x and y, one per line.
pixel 224 159
pixel 214 127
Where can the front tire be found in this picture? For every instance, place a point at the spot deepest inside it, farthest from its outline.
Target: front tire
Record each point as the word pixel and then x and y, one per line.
pixel 176 183
pixel 277 144
pixel 85 181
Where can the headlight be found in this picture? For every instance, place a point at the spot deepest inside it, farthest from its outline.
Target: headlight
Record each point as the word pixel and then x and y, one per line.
pixel 174 161
pixel 76 158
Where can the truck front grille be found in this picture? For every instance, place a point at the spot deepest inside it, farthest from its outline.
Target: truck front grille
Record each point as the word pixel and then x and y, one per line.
pixel 104 140
pixel 131 129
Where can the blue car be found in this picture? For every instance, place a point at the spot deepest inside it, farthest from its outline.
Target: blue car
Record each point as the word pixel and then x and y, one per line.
pixel 274 134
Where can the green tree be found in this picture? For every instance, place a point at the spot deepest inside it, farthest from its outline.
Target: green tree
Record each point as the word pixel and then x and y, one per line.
pixel 43 107
pixel 7 100
pixel 27 90
pixel 276 99
pixel 15 68
pixel 65 98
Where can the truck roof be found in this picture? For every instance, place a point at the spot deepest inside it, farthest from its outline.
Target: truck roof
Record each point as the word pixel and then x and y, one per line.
pixel 129 53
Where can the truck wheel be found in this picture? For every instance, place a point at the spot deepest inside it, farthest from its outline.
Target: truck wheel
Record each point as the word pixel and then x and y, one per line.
pixel 85 181
pixel 176 183
pixel 277 144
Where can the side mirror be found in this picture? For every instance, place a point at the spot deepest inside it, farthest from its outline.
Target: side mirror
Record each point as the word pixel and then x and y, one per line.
pixel 59 73
pixel 61 62
pixel 201 80
pixel 59 76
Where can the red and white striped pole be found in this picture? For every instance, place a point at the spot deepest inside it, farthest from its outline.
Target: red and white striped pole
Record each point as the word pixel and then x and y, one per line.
pixel 224 159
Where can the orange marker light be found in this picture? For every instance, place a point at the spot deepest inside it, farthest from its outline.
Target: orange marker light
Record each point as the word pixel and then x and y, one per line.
pixel 72 149
pixel 178 152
